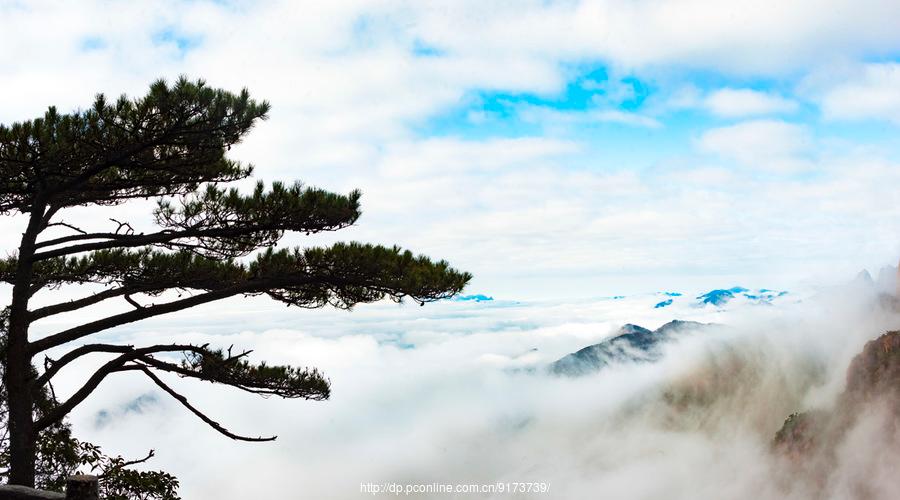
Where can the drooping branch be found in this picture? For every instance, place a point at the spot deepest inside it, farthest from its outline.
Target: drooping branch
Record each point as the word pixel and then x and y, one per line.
pixel 117 364
pixel 200 362
pixel 212 423
pixel 234 370
pixel 59 412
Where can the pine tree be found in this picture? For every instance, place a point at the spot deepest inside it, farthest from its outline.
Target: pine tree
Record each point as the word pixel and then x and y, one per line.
pixel 213 242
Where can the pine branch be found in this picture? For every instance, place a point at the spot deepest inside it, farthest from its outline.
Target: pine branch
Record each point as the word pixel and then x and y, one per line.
pixel 235 371
pixel 77 237
pixel 133 302
pixel 48 215
pixel 118 364
pixel 212 423
pixel 145 270
pixel 341 275
pixel 74 305
pixel 166 143
pixel 78 332
pixel 226 223
pixel 128 241
pixel 200 363
pixel 52 367
pixel 63 224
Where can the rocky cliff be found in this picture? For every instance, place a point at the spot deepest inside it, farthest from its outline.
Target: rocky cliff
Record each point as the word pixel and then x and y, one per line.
pixel 814 441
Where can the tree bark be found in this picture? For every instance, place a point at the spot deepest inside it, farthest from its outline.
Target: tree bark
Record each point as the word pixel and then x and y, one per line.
pixel 19 372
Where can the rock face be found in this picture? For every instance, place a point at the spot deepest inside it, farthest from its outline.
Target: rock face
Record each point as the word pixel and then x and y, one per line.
pixel 873 377
pixel 850 450
pixel 632 343
pixel 800 436
pixel 875 372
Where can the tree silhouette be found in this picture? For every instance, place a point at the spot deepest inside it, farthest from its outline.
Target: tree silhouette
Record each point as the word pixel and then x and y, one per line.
pixel 212 243
pixel 59 454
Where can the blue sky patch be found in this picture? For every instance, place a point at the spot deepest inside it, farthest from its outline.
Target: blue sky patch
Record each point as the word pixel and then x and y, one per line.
pixel 92 43
pixel 171 36
pixel 423 49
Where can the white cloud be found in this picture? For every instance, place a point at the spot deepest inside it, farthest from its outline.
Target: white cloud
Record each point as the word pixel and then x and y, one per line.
pixel 732 103
pixel 350 101
pixel 451 156
pixel 872 92
pixel 625 118
pixel 553 119
pixel 723 36
pixel 765 144
pixel 453 408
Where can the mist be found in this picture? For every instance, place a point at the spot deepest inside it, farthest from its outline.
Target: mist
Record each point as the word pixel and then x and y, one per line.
pixel 459 393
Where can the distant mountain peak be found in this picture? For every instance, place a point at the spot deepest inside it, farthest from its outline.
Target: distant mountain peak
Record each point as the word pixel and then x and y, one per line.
pixel 720 297
pixel 630 328
pixel 631 343
pixel 864 277
pixel 473 298
pixel 677 325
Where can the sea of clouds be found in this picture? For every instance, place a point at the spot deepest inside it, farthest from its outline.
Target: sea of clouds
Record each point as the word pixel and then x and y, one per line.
pixel 455 392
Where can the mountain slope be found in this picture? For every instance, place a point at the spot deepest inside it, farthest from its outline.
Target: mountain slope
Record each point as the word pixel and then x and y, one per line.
pixel 632 343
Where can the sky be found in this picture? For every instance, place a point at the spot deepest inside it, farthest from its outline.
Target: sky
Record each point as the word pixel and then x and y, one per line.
pixel 562 152
pixel 553 149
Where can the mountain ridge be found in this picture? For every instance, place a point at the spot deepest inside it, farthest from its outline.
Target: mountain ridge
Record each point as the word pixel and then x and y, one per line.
pixel 631 343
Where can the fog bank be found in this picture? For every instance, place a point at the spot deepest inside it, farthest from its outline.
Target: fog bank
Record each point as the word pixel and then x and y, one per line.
pixel 457 393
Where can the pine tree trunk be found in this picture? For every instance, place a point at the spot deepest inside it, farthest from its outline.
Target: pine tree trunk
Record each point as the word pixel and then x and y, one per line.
pixel 21 424
pixel 19 379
